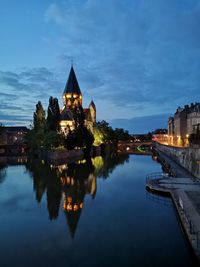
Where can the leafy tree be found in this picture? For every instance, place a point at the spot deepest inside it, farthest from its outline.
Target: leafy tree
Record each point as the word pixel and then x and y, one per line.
pixel 79 116
pixel 121 134
pixel 53 115
pixel 84 138
pixel 39 121
pixel 2 131
pixel 35 137
pixel 103 132
pixel 52 139
pixel 70 141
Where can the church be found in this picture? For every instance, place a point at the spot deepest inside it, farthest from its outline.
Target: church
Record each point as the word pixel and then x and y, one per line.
pixel 72 98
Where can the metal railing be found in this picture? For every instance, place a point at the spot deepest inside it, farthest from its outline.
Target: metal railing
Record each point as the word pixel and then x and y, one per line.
pixel 193 230
pixel 156 176
pixel 158 199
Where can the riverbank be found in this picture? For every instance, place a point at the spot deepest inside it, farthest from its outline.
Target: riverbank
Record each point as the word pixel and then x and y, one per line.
pixel 64 155
pixel 186 157
pixel 184 190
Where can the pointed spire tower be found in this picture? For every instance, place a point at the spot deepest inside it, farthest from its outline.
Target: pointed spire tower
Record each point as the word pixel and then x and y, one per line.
pixel 72 96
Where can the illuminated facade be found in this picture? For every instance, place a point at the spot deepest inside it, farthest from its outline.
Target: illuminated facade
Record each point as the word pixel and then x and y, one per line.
pixel 72 98
pixel 14 135
pixel 183 123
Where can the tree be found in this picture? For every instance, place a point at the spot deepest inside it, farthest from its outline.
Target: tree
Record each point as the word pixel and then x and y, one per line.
pixel 79 116
pixel 121 134
pixel 39 121
pixel 52 139
pixel 70 141
pixel 53 115
pixel 35 137
pixel 84 138
pixel 2 131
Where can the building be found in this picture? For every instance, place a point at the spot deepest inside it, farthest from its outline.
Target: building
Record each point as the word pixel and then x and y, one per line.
pixel 170 130
pixel 14 135
pixel 72 99
pixel 183 124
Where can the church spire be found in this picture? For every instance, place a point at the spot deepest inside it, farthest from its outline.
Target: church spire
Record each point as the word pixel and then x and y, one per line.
pixel 72 96
pixel 72 85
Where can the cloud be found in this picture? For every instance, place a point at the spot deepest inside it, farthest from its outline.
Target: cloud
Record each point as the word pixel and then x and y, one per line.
pixel 136 53
pixel 53 13
pixel 21 91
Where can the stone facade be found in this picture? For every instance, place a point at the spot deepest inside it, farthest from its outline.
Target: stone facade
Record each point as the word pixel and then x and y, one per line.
pixel 183 123
pixel 72 99
pixel 187 157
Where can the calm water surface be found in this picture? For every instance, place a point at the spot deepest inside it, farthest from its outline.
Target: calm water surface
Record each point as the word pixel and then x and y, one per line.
pixel 90 213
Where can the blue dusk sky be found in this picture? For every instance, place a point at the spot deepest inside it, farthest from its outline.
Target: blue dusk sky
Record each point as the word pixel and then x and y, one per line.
pixel 137 59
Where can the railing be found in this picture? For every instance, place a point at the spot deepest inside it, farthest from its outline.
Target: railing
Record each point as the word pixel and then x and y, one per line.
pixel 156 176
pixel 193 230
pixel 161 200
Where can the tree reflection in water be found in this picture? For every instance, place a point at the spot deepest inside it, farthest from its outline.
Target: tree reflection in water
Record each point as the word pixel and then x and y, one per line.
pixel 72 181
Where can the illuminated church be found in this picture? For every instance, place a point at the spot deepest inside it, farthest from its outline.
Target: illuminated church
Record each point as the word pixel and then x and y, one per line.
pixel 72 98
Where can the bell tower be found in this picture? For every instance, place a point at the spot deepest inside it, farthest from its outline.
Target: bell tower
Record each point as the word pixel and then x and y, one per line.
pixel 72 96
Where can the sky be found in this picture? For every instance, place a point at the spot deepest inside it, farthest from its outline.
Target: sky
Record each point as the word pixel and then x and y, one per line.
pixel 138 60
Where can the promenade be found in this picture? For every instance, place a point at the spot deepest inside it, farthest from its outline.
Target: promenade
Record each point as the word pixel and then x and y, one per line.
pixel 184 189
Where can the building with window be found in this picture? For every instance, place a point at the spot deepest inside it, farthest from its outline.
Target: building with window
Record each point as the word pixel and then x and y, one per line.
pixel 14 135
pixel 183 124
pixel 72 99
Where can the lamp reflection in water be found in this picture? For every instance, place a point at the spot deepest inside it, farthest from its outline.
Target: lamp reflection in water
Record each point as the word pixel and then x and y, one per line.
pixel 67 184
pixel 77 180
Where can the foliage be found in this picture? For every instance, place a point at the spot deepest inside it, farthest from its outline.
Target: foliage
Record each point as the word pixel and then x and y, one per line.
pixel 42 134
pixel 121 134
pixel 35 139
pixel 79 116
pixel 84 138
pixel 103 133
pixel 2 131
pixel 39 122
pixel 52 139
pixel 160 131
pixel 70 141
pixel 53 115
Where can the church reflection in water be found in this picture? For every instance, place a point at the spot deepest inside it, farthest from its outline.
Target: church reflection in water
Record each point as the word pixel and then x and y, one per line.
pixel 66 185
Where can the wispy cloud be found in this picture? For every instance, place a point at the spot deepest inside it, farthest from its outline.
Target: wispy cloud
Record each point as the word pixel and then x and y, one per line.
pixel 143 52
pixel 133 58
pixel 25 89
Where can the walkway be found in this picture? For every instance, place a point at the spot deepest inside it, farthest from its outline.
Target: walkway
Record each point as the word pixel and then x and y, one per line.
pixel 185 192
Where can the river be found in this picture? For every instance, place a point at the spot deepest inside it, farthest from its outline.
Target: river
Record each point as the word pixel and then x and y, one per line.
pixel 89 213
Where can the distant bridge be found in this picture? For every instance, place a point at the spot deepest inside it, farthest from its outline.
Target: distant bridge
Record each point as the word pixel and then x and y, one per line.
pixel 135 147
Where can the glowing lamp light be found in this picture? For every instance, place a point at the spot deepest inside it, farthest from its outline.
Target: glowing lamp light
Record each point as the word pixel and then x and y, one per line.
pixel 69 199
pixel 76 207
pixel 68 96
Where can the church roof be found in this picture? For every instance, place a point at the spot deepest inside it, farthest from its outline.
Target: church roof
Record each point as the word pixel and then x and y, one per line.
pixel 72 85
pixel 93 105
pixel 87 114
pixel 66 115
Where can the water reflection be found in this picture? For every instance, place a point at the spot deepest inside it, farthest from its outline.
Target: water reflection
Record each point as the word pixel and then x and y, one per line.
pixel 70 183
pixel 2 173
pixel 7 161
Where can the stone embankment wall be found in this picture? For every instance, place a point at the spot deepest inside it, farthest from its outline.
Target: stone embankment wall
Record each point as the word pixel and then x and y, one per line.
pixel 55 155
pixel 76 154
pixel 187 157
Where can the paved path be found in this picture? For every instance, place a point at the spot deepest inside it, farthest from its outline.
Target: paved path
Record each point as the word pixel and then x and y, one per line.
pixel 185 192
